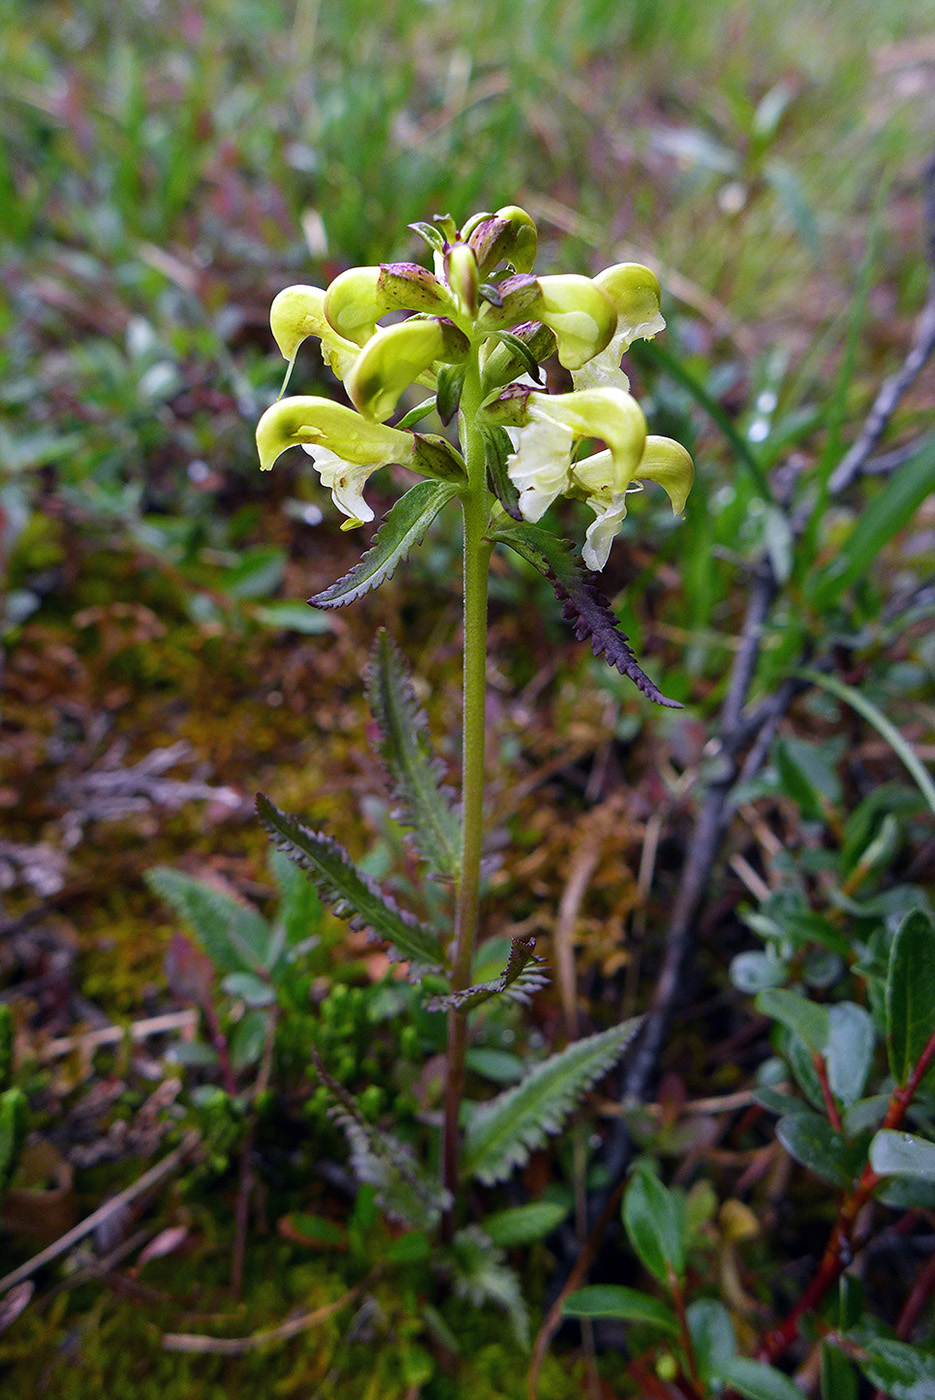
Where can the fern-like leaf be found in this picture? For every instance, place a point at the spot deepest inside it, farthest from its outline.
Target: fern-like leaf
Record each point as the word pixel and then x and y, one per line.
pixel 583 603
pixel 480 1274
pixel 405 525
pixel 380 1160
pixel 416 774
pixel 517 982
pixel 350 893
pixel 235 937
pixel 502 1133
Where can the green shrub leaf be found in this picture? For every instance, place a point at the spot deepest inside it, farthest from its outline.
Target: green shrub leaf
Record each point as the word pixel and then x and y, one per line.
pixel 902 1154
pixel 910 994
pixel 524 1224
pixel 757 1381
pixel 611 1300
pixel 902 1371
pixel 502 1133
pixel 654 1219
pixel 812 1141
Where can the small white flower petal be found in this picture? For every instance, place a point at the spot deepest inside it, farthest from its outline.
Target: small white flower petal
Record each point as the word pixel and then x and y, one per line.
pixel 602 531
pixel 603 371
pixel 345 481
pixel 538 468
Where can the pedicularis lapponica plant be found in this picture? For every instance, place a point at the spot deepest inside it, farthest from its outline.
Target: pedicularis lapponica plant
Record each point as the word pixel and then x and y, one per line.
pixel 479 329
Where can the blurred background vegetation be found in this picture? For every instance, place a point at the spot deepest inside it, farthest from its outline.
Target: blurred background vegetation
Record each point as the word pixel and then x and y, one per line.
pixel 165 169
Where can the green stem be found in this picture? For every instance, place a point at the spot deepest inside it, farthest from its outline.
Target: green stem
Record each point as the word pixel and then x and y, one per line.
pixel 477 550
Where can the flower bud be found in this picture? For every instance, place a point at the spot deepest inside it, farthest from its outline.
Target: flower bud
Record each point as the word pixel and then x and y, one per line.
pixel 461 276
pixel 634 290
pixel 582 316
pixel 507 236
pixel 396 356
pixel 351 304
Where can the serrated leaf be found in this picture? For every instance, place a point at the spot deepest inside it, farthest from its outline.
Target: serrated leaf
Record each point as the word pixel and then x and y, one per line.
pixel 416 773
pixel 524 1224
pixel 517 982
pixel 584 605
pixel 502 1133
pixel 910 994
pixel 352 895
pixel 757 1381
pixel 611 1300
pixel 497 448
pixel 814 1144
pixel 235 938
pixel 387 1165
pixel 902 1154
pixel 405 525
pixel 655 1222
pixel 480 1274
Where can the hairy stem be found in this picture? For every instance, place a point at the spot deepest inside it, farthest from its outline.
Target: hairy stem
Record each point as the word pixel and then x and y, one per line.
pixel 477 550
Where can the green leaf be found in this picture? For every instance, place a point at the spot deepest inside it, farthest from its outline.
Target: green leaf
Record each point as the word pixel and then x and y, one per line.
pixel 497 448
pixel 405 525
pixel 249 988
pixel 804 1018
pixel 352 895
pixel 524 1224
pixel 480 1275
pixel 248 1040
pixel 450 382
pixel 881 724
pixel 294 617
pixel 235 938
pixel 757 1381
pixel 13 1122
pixel 849 1050
pixel 902 1371
pixel 902 1154
pixel 611 1300
pixel 654 1219
pixel 256 575
pixel 910 994
pixel 787 187
pixel 502 1133
pixel 712 1334
pixel 755 972
pixel 584 605
pixel 880 520
pixel 813 1143
pixel 298 917
pixel 382 1162
pixel 417 775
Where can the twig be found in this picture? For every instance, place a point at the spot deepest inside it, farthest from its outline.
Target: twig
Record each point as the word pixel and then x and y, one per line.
pixel 166 1168
pixel 237 1346
pixel 113 1035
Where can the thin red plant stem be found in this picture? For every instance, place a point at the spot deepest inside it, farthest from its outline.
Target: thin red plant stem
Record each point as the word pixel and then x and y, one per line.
pixel 831 1108
pixel 839 1249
